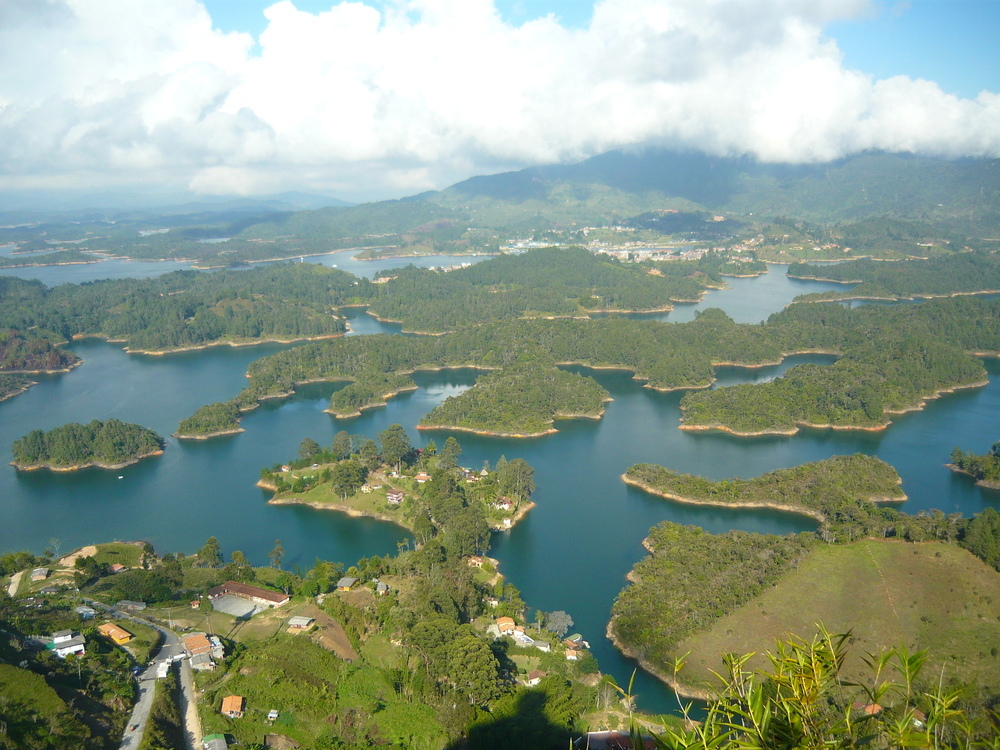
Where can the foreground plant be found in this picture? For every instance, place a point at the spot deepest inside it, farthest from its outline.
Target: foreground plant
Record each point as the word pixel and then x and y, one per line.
pixel 802 701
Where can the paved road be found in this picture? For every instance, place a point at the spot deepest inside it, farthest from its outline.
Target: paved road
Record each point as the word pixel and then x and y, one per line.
pixel 170 648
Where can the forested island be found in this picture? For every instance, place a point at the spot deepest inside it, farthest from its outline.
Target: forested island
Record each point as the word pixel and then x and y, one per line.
pixel 985 469
pixel 187 309
pixel 423 491
pixel 549 282
pixel 940 276
pixel 814 489
pixel 522 399
pixel 58 258
pixel 12 385
pixel 692 580
pixel 109 445
pixel 891 359
pixel 21 353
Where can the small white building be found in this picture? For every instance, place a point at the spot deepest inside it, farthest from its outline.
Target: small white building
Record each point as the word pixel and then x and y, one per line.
pixel 64 643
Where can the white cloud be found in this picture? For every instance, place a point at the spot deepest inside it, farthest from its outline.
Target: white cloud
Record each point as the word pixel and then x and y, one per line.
pixel 364 102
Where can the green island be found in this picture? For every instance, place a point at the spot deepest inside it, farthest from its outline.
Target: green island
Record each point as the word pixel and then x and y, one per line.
pixel 32 353
pixel 108 445
pixel 891 359
pixel 815 489
pixel 58 258
pixel 696 590
pixel 941 276
pixel 548 282
pixel 187 309
pixel 985 469
pixel 12 385
pixel 522 399
pixel 423 491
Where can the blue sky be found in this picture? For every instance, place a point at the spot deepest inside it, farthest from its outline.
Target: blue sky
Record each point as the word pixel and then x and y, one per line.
pixel 374 99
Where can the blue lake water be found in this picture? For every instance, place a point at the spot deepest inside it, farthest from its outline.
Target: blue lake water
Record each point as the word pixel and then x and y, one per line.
pixel 571 553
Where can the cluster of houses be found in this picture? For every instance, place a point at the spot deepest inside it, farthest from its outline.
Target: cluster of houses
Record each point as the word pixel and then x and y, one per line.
pixel 204 651
pixel 70 643
pixel 506 626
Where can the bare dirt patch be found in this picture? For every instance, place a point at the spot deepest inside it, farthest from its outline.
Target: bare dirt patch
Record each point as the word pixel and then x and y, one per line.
pixel 330 634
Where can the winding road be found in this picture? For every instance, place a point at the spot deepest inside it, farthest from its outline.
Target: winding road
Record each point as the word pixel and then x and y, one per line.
pixel 171 650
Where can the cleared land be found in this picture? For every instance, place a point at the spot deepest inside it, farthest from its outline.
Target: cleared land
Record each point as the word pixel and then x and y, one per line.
pixel 931 595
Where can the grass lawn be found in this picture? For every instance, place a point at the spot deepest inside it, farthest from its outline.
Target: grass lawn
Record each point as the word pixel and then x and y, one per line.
pixel 119 552
pixel 932 595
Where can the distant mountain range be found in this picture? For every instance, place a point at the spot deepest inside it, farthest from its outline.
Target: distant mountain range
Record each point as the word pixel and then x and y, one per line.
pixel 849 189
pixel 876 200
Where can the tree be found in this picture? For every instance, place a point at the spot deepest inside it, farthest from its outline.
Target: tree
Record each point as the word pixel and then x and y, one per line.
pixel 473 669
pixel 369 455
pixel 516 478
pixel 448 457
pixel 211 554
pixel 395 445
pixel 347 477
pixel 277 554
pixel 308 448
pixel 342 445
pixel 239 568
pixel 558 622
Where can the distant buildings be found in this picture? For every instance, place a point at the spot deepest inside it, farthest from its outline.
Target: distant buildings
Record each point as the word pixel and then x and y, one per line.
pixel 39 574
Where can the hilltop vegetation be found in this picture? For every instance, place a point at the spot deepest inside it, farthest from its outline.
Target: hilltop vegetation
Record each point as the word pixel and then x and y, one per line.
pixel 816 488
pixel 694 582
pixel 30 353
pixel 110 444
pixel 523 398
pixel 187 308
pixel 892 359
pixel 547 282
pixel 933 596
pixel 959 273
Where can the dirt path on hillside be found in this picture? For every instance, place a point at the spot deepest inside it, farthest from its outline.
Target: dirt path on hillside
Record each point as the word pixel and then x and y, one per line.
pixel 15 581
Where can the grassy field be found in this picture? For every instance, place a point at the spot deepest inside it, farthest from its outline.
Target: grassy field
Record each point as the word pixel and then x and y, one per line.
pixel 933 595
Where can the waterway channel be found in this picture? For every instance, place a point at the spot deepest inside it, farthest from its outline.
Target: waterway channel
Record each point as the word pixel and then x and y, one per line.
pixel 571 553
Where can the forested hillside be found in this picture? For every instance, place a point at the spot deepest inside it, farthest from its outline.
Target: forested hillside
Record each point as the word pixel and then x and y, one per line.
pixel 188 308
pixel 892 359
pixel 960 273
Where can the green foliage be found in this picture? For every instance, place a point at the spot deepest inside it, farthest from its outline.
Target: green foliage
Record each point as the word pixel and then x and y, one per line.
pixel 111 442
pixel 165 728
pixel 32 353
pixel 12 385
pixel 815 487
pixel 211 419
pixel 188 308
pixel 801 700
pixel 522 398
pixel 982 537
pixel 958 273
pixel 35 718
pixel 691 579
pixel 548 281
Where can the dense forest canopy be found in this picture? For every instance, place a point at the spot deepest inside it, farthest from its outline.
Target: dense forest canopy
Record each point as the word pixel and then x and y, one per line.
pixel 75 445
pixel 188 308
pixel 957 273
pixel 892 358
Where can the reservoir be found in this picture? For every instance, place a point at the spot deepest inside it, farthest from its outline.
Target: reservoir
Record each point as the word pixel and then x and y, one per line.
pixel 572 551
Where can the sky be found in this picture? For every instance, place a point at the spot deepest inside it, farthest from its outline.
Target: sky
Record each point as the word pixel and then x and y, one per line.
pixel 376 99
